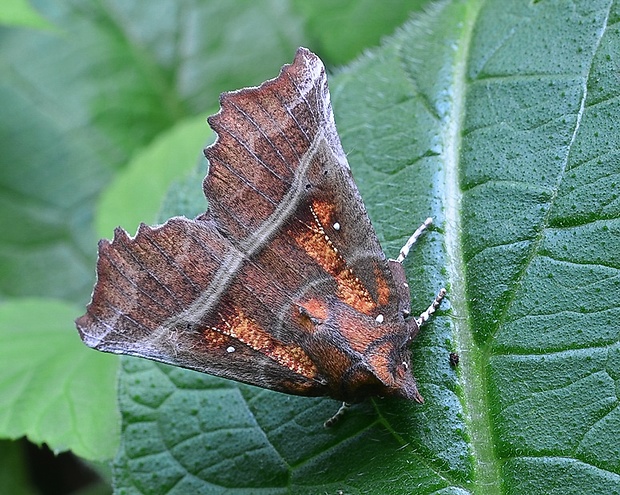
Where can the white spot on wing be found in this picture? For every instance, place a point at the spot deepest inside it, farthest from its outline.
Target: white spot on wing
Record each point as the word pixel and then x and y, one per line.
pixel 230 349
pixel 336 226
pixel 379 318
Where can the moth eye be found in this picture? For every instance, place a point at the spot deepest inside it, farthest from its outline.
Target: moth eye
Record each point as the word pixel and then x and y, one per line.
pixel 308 186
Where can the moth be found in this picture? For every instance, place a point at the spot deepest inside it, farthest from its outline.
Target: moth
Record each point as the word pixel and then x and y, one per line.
pixel 282 282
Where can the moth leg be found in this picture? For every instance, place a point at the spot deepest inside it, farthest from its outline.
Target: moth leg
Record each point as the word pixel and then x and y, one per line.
pixel 432 308
pixel 338 416
pixel 414 237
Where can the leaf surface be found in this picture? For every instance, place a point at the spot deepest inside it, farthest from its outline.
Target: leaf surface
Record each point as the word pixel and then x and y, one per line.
pixel 499 119
pixel 51 388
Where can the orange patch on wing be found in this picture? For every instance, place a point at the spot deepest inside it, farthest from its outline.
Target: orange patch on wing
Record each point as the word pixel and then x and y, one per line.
pixel 383 289
pixel 317 244
pixel 352 292
pixel 356 329
pixel 323 212
pixel 316 308
pixel 217 339
pixel 248 332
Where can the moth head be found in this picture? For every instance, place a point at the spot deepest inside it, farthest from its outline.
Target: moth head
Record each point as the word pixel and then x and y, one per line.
pixel 391 364
pixel 404 384
pixel 383 343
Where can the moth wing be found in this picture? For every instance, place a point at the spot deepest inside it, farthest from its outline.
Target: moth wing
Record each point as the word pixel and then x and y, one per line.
pixel 149 299
pixel 286 229
pixel 278 170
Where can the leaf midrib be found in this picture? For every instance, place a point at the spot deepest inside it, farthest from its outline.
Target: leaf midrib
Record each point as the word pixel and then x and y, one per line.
pixel 473 379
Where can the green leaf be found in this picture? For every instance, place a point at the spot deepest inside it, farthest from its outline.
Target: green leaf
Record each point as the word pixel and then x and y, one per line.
pixel 342 29
pixel 501 121
pixel 20 13
pixel 53 389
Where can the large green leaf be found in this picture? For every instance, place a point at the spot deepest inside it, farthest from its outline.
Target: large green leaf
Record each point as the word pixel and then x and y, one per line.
pixel 51 390
pixel 341 29
pixel 501 120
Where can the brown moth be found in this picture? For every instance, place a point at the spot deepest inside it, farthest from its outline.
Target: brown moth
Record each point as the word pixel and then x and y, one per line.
pixel 282 282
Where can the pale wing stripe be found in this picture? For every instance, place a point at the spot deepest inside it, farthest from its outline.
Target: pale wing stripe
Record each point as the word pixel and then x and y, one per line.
pixel 247 248
pixel 303 98
pixel 287 106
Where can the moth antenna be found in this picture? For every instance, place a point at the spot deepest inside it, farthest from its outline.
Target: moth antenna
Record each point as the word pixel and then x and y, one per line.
pixel 338 416
pixel 414 237
pixel 432 308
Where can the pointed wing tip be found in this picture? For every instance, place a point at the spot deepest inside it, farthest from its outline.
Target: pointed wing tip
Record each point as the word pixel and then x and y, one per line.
pixel 92 328
pixel 302 50
pixel 80 323
pixel 303 56
pixel 83 325
pixel 305 70
pixel 304 60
